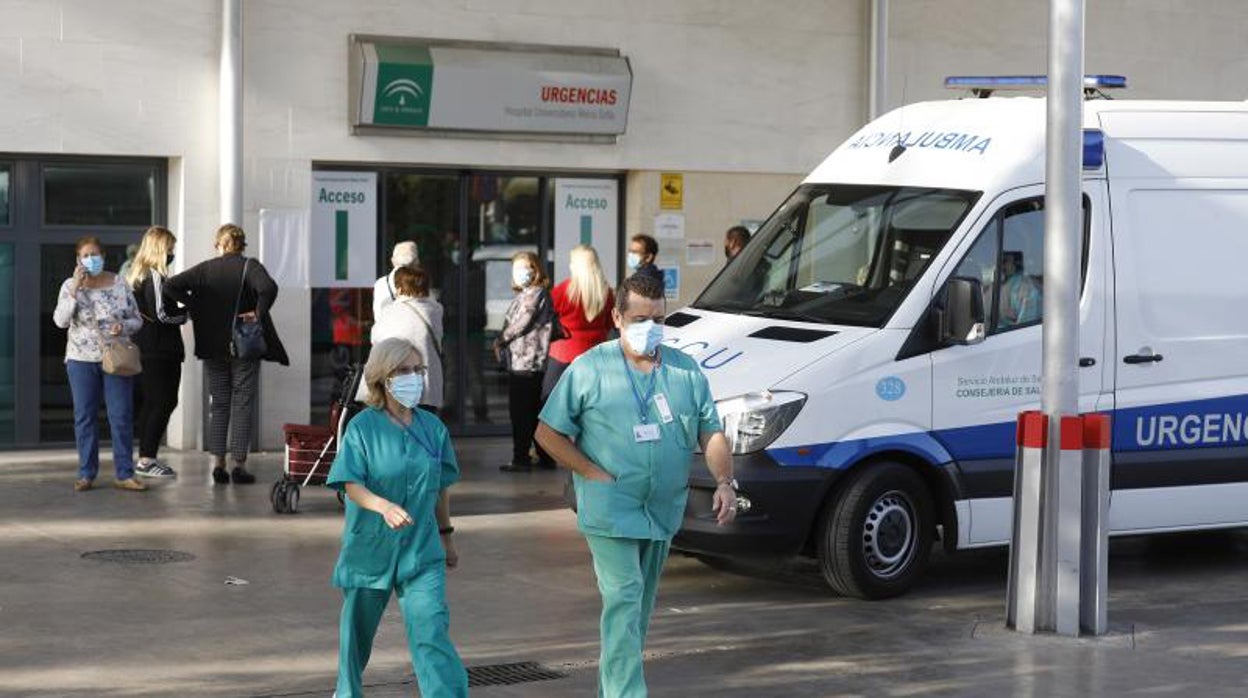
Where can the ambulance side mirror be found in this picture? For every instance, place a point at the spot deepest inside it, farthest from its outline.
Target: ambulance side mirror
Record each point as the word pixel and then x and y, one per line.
pixel 961 319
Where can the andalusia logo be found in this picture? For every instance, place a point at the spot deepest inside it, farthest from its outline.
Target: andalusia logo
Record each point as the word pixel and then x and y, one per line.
pixel 404 89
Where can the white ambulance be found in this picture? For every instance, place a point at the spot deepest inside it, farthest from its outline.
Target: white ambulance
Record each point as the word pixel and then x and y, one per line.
pixel 872 346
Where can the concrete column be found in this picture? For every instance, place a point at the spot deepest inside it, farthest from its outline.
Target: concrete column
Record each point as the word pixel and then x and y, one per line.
pixel 230 111
pixel 877 85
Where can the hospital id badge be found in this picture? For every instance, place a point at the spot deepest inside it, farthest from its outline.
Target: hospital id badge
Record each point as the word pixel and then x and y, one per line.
pixel 665 411
pixel 644 433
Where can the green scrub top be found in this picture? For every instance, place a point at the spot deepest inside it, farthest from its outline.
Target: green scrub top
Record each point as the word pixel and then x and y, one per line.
pixel 409 467
pixel 595 406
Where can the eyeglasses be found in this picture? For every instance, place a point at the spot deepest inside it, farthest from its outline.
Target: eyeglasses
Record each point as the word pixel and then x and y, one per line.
pixel 408 371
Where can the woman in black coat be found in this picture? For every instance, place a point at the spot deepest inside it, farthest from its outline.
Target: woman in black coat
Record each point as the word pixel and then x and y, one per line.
pixel 160 346
pixel 219 293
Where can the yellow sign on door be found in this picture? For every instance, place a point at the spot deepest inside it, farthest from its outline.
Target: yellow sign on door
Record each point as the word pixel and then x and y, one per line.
pixel 671 190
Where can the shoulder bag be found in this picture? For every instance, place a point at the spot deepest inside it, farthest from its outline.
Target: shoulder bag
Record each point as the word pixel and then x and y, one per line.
pixel 246 338
pixel 437 346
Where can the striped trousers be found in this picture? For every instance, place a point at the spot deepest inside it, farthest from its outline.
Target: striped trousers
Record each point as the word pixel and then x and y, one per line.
pixel 232 386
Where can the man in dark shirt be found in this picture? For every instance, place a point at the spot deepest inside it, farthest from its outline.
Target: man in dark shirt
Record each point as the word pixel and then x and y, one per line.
pixel 642 250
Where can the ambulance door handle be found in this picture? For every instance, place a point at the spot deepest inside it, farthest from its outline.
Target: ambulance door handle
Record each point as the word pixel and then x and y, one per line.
pixel 1087 362
pixel 1141 358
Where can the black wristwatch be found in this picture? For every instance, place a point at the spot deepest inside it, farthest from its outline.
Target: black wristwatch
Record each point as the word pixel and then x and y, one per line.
pixel 446 530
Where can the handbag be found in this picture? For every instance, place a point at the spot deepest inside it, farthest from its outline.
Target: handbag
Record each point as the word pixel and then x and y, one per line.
pixel 246 338
pixel 437 346
pixel 121 358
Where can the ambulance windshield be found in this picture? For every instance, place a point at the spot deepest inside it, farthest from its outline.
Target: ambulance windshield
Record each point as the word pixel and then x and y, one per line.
pixel 839 254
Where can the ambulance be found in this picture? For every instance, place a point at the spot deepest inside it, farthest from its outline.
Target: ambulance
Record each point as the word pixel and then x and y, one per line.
pixel 872 346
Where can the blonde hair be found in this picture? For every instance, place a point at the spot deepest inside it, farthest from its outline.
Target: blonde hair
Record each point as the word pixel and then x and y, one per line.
pixel 231 239
pixel 588 285
pixel 386 355
pixel 539 276
pixel 156 246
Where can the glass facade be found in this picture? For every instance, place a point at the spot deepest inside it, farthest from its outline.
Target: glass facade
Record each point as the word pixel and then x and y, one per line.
pixel 99 194
pixel 6 175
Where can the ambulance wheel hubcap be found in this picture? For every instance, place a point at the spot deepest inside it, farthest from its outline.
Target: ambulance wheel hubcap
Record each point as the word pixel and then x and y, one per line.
pixel 888 534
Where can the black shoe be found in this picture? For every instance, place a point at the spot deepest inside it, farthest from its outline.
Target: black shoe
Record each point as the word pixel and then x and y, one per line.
pixel 547 464
pixel 240 476
pixel 220 476
pixel 514 467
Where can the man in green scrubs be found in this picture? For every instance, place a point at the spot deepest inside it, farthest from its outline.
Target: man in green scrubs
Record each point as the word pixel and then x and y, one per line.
pixel 626 418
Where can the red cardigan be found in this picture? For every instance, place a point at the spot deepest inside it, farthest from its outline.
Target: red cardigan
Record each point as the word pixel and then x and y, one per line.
pixel 584 335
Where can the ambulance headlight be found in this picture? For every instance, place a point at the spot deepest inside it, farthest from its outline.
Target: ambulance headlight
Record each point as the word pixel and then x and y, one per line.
pixel 754 420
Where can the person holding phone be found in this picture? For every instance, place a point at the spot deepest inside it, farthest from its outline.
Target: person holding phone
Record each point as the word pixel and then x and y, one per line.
pixel 97 307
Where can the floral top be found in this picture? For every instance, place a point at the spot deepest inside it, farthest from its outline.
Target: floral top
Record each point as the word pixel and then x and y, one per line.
pixel 89 312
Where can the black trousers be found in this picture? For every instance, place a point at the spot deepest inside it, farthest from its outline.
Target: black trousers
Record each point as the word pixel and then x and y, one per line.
pixel 524 393
pixel 158 391
pixel 554 371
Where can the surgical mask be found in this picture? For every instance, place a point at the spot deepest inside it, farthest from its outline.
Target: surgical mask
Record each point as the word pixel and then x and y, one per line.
pixel 643 337
pixel 522 276
pixel 407 389
pixel 634 260
pixel 455 256
pixel 94 264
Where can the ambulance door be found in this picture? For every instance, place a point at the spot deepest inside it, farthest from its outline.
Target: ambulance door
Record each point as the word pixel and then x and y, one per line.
pixel 978 390
pixel 1181 425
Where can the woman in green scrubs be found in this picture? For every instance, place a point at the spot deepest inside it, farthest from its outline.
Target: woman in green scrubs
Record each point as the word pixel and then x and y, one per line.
pixel 395 463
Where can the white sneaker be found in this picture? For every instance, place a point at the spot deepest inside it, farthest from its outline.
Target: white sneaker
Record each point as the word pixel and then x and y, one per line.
pixel 154 468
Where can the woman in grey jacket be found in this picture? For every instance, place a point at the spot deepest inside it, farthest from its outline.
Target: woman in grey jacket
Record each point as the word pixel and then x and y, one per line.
pixel 522 347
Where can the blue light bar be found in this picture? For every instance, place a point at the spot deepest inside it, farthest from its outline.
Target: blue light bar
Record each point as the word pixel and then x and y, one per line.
pixel 1093 149
pixel 1028 82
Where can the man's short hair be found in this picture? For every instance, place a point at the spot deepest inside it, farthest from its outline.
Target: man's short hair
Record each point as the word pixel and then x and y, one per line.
pixel 737 235
pixel 643 285
pixel 649 244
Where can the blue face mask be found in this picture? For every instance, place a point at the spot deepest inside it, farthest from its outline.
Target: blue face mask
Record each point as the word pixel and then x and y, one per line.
pixel 643 337
pixel 407 389
pixel 634 261
pixel 522 276
pixel 94 264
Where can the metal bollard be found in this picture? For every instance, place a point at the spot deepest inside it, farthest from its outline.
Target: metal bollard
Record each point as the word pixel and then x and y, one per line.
pixel 1025 549
pixel 1094 554
pixel 1067 526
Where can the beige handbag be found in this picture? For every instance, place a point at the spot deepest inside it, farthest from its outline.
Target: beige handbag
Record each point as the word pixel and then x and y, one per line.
pixel 121 357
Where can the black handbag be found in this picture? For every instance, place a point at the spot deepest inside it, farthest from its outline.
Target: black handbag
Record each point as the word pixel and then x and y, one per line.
pixel 246 338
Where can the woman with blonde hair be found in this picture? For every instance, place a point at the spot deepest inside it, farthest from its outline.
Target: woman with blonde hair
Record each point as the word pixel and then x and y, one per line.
pixel 395 464
pixel 583 303
pixel 160 346
pixel 522 347
pixel 223 293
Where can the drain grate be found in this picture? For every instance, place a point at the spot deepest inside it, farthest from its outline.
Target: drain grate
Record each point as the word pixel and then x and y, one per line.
pixel 511 674
pixel 139 556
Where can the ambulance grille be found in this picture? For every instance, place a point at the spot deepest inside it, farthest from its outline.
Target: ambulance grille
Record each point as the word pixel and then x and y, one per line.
pixel 792 334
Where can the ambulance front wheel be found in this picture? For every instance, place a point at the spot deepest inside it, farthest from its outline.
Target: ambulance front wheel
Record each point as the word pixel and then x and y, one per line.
pixel 875 538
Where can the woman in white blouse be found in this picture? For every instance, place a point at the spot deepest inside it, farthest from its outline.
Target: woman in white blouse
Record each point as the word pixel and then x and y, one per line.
pixel 416 317
pixel 97 307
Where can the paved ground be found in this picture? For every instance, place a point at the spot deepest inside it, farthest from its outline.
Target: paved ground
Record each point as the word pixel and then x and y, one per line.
pixel 71 626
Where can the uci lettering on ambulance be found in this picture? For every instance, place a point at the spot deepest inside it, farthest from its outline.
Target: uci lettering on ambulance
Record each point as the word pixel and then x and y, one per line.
pixel 872 346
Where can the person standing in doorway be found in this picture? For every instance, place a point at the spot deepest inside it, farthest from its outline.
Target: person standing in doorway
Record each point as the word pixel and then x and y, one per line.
pixel 97 307
pixel 522 347
pixel 642 251
pixel 417 318
pixel 626 419
pixel 160 346
pixel 221 293
pixel 735 239
pixel 385 291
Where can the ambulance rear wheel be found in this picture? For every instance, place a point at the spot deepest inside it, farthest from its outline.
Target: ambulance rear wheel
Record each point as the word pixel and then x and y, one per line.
pixel 875 538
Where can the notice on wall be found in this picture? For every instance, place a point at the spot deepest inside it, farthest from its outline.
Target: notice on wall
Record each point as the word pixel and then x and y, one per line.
pixel 669 226
pixel 699 253
pixel 586 213
pixel 284 245
pixel 671 190
pixel 671 282
pixel 343 240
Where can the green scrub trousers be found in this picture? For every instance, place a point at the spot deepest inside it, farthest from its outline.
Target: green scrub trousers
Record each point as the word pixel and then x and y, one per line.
pixel 628 571
pixel 439 671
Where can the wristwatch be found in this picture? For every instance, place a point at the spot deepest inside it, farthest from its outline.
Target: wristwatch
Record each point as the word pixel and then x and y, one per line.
pixel 731 482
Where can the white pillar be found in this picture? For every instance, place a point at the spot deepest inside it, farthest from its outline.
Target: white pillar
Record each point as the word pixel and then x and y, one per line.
pixel 877 88
pixel 230 112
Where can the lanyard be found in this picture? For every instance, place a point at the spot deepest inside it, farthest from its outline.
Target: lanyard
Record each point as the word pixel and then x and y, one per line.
pixel 412 432
pixel 643 402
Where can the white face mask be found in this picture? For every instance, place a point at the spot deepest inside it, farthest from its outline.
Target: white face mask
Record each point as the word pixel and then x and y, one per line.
pixel 643 337
pixel 634 260
pixel 521 276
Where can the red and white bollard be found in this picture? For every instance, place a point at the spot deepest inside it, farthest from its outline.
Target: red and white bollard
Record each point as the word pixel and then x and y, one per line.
pixel 1094 561
pixel 1025 547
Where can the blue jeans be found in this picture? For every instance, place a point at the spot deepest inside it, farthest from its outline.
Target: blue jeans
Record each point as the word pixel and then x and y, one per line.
pixel 90 384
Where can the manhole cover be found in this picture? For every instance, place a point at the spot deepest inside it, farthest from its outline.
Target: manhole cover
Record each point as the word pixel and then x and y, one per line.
pixel 139 557
pixel 511 674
